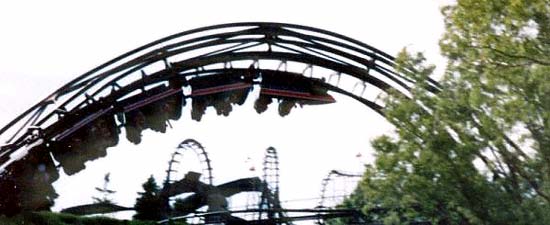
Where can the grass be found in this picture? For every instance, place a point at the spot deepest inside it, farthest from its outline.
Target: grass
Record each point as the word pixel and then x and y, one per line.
pixel 50 218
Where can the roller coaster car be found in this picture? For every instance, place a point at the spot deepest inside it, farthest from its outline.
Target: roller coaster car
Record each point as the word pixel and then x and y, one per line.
pixel 85 135
pixel 151 109
pixel 219 91
pixel 290 89
pixel 28 182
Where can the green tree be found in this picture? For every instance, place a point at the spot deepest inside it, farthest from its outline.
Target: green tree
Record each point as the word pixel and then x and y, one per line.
pixel 478 151
pixel 148 204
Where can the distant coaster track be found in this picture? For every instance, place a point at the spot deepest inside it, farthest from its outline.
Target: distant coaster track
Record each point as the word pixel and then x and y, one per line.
pixel 270 194
pixel 176 161
pixel 331 178
pixel 236 56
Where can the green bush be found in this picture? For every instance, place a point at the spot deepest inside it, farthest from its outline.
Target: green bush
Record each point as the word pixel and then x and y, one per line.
pixel 51 218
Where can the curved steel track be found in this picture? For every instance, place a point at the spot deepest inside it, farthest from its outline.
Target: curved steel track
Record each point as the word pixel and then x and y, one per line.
pixel 202 157
pixel 326 59
pixel 332 175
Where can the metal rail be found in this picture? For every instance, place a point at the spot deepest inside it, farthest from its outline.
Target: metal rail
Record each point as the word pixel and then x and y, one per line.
pixel 329 178
pixel 310 46
pixel 313 215
pixel 204 52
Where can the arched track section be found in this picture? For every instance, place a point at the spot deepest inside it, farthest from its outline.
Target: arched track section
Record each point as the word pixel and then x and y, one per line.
pixel 176 161
pixel 270 193
pixel 342 185
pixel 336 177
pixel 150 78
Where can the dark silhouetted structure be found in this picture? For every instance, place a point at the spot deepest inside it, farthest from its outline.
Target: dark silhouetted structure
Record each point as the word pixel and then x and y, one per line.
pixel 76 123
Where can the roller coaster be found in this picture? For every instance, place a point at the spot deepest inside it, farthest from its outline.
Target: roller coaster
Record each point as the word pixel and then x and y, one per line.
pixel 214 197
pixel 206 203
pixel 336 186
pixel 268 208
pixel 215 66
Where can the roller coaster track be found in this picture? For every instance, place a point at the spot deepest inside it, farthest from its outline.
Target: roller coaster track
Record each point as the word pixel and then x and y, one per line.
pixel 189 53
pixel 332 175
pixel 296 215
pixel 199 151
pixel 165 68
pixel 270 195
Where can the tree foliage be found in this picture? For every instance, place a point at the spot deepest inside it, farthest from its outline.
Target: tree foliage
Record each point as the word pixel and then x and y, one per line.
pixel 478 151
pixel 148 204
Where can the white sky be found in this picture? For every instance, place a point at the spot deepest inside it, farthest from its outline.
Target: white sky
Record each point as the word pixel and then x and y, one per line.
pixel 44 44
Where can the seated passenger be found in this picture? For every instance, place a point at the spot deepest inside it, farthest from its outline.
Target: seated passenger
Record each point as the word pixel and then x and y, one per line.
pixel 290 89
pixel 102 134
pixel 135 123
pixel 85 145
pixel 260 105
pixel 153 118
pixel 285 106
pixel 151 109
pixel 220 91
pixel 84 135
pixel 222 105
pixel 33 176
pixel 198 107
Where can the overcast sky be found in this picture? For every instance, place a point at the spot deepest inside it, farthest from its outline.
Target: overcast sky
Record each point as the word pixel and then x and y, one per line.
pixel 44 44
